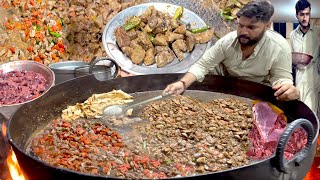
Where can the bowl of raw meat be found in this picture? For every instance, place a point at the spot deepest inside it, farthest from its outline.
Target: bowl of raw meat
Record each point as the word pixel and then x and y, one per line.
pixel 301 60
pixel 22 82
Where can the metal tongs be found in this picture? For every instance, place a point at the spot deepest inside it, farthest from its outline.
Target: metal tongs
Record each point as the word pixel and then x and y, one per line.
pixel 126 109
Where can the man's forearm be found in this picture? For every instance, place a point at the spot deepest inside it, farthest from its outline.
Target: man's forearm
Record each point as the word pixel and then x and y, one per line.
pixel 188 79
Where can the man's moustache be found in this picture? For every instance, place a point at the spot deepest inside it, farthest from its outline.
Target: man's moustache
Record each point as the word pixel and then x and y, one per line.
pixel 243 36
pixel 304 22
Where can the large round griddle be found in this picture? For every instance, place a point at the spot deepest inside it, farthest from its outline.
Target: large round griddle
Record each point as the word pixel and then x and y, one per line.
pixel 31 117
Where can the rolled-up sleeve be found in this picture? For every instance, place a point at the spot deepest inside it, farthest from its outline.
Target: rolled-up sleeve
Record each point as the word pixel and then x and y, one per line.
pixel 210 59
pixel 281 70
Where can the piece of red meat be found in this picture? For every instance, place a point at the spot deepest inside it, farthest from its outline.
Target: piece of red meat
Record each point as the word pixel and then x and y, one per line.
pixel 267 129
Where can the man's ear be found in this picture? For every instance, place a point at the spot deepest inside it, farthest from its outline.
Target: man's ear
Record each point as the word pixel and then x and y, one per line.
pixel 268 25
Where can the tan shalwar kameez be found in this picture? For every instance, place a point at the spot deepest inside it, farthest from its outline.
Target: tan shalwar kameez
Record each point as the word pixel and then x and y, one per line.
pixel 307 78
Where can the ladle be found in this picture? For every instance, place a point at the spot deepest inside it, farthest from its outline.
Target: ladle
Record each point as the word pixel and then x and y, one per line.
pixel 126 109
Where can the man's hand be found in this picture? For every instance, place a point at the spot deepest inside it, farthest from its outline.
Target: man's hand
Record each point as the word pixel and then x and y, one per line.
pixel 286 92
pixel 180 86
pixel 175 88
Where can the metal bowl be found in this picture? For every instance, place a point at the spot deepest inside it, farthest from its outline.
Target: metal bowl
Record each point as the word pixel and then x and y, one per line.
pixel 65 71
pixel 301 60
pixel 48 74
pixel 112 49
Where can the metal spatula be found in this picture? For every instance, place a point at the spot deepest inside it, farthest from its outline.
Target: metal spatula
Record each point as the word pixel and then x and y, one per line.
pixel 117 110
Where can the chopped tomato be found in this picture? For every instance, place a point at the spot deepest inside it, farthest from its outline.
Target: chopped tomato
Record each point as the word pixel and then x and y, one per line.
pixel 160 175
pixel 42 56
pixel 32 2
pixel 37 59
pixel 66 124
pixel 141 159
pixel 60 44
pixel 54 57
pixel 113 163
pixel 79 129
pixel 38 150
pixel 114 134
pixel 26 6
pixel 179 166
pixel 59 47
pixel 24 26
pixel 189 169
pixel 84 154
pixel 61 135
pixel 147 173
pixel 27 34
pixel 12 49
pixel 107 138
pixel 106 168
pixel 33 41
pixel 113 150
pixel 5 4
pixel 126 154
pixel 135 165
pixel 123 168
pixel 30 48
pixel 86 150
pixel 99 144
pixel 95 171
pixel 94 137
pixel 40 36
pixel 85 140
pixel 70 137
pixel 73 144
pixel 15 2
pixel 36 13
pixel 155 163
pixel 61 50
pixel 28 23
pixel 118 144
pixel 105 148
pixel 64 161
pixel 9 24
pixel 56 28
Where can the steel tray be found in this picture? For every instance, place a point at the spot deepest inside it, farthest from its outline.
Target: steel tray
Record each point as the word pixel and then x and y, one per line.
pixel 112 49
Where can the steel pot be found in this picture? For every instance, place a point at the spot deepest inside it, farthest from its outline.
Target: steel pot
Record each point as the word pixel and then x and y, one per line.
pixel 68 70
pixel 32 116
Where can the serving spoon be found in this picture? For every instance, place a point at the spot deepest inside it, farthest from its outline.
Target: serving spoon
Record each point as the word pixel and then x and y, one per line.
pixel 126 109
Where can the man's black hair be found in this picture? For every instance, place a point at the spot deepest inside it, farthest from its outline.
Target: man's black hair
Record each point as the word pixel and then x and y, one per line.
pixel 258 10
pixel 301 5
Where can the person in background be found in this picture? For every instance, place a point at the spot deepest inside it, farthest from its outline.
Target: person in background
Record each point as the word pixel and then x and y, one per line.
pixel 305 39
pixel 253 52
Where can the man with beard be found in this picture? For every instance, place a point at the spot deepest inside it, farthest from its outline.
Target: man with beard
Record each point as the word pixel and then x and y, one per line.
pixel 253 52
pixel 305 39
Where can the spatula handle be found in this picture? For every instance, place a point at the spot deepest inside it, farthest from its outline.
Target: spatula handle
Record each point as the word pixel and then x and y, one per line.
pixel 149 100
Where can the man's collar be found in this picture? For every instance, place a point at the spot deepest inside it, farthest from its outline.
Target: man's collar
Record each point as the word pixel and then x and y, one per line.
pixel 260 43
pixel 302 33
